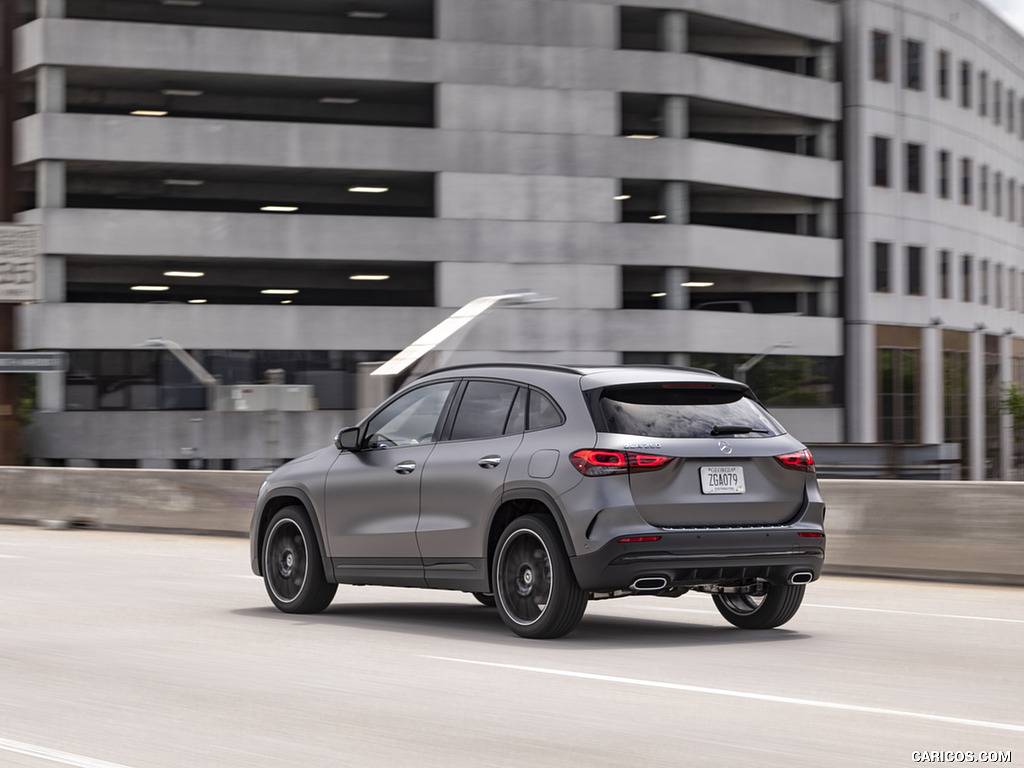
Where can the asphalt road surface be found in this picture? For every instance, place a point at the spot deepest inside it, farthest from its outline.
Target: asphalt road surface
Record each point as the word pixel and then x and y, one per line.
pixel 163 651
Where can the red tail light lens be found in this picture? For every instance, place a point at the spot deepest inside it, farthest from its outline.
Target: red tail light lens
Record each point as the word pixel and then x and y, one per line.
pixel 801 461
pixel 594 463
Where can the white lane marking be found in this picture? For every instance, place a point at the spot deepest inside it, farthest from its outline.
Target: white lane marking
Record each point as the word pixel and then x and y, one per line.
pixel 742 694
pixel 845 608
pixel 55 756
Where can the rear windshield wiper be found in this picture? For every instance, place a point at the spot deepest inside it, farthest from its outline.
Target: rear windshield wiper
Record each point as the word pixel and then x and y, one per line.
pixel 736 429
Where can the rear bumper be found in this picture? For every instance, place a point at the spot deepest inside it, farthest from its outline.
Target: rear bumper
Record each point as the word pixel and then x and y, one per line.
pixel 705 556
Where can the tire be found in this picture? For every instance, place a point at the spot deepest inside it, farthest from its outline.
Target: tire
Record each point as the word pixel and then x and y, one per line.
pixel 293 572
pixel 484 598
pixel 773 609
pixel 536 592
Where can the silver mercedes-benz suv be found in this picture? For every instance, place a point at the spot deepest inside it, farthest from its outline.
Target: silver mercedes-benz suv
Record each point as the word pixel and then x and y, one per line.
pixel 537 488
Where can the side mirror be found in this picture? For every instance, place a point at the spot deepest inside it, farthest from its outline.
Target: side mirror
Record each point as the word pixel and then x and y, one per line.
pixel 347 439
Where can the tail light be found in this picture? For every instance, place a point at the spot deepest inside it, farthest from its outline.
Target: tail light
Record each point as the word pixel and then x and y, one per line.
pixel 593 463
pixel 801 461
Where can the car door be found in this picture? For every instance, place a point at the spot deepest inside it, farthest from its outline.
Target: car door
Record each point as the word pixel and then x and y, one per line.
pixel 373 494
pixel 463 482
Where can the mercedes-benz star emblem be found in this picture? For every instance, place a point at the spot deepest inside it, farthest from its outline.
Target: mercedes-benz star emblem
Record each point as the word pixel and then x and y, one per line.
pixel 724 447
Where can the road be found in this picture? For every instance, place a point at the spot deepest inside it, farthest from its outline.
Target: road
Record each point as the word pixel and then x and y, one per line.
pixel 163 651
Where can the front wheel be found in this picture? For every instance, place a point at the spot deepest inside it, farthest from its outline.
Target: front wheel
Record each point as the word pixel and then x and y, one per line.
pixel 292 569
pixel 772 608
pixel 535 590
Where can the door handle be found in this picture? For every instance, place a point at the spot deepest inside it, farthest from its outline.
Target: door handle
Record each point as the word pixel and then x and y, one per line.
pixel 487 462
pixel 405 467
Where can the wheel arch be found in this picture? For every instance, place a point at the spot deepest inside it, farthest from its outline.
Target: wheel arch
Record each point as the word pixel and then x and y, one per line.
pixel 525 501
pixel 277 500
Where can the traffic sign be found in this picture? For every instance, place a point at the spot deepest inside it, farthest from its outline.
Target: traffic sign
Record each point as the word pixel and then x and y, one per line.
pixel 33 362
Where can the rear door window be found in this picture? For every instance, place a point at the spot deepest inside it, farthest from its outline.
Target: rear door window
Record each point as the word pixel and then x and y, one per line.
pixel 673 410
pixel 484 410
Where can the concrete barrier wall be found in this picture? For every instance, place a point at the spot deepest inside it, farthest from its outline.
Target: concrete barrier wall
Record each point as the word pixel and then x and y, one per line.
pixel 956 531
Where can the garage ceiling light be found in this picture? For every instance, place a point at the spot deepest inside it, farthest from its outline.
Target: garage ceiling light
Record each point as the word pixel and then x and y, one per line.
pixel 151 287
pixel 642 136
pixel 280 208
pixel 149 112
pixel 695 284
pixel 180 92
pixel 622 197
pixel 369 277
pixel 338 100
pixel 658 295
pixel 659 217
pixel 370 190
pixel 197 301
pixel 280 291
pixel 179 273
pixel 367 14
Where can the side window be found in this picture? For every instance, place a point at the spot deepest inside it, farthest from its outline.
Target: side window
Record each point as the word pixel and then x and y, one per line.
pixel 484 410
pixel 543 412
pixel 409 420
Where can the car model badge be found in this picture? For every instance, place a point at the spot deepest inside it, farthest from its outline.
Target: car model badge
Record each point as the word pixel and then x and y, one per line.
pixel 724 447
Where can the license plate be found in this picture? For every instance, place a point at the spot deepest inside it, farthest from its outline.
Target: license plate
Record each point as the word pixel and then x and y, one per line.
pixel 722 480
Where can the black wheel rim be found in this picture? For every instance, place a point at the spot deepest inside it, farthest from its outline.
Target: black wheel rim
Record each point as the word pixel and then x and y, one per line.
pixel 741 603
pixel 285 563
pixel 524 577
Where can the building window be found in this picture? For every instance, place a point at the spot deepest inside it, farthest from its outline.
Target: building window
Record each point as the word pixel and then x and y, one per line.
pixel 914 171
pixel 915 257
pixel 942 74
pixel 983 281
pixel 880 56
pixel 944 265
pixel 965 281
pixel 1011 199
pixel 997 102
pixel 882 268
pixel 1011 110
pixel 955 400
pixel 881 161
pixel 983 187
pixel 983 93
pixel 999 286
pixel 1011 289
pixel 913 78
pixel 965 84
pixel 997 194
pixel 944 174
pixel 965 180
pixel 898 398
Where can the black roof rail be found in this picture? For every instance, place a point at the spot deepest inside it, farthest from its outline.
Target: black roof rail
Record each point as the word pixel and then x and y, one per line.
pixel 542 366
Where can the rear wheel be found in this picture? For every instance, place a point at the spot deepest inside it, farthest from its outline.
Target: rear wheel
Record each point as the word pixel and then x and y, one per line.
pixel 772 608
pixel 536 592
pixel 292 569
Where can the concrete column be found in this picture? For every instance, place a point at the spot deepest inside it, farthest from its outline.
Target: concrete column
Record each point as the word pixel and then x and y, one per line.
pixel 54 278
pixel 676 296
pixel 676 195
pixel 675 117
pixel 675 32
pixel 825 141
pixel 50 392
pixel 828 298
pixel 50 9
pixel 51 89
pixel 1005 418
pixel 828 218
pixel 825 55
pixel 976 404
pixel 50 184
pixel 861 384
pixel 932 427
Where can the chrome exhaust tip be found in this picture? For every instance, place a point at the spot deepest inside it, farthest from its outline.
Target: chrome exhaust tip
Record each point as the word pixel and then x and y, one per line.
pixel 801 577
pixel 649 584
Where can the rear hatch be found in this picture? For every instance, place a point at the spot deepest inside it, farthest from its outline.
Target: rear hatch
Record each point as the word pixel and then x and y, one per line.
pixel 732 464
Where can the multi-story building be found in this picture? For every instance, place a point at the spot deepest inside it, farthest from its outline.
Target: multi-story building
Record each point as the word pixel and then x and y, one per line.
pixel 304 190
pixel 934 227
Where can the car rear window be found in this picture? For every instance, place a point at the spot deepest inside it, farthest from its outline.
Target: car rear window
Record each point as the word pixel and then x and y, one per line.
pixel 673 410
